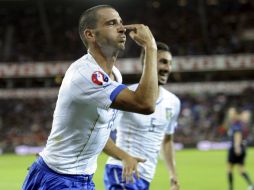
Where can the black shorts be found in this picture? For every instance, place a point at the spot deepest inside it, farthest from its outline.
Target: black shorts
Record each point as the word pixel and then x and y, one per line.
pixel 236 159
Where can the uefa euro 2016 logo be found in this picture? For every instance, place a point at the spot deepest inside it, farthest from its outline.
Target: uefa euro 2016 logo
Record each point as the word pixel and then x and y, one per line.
pixel 99 78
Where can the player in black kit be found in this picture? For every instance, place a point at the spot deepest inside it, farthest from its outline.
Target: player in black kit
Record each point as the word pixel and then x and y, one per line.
pixel 237 124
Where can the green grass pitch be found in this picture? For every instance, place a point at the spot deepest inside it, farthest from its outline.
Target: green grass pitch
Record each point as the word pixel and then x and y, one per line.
pixel 196 170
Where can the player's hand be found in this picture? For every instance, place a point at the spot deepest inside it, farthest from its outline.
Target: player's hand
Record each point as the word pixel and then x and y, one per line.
pixel 142 35
pixel 174 185
pixel 130 165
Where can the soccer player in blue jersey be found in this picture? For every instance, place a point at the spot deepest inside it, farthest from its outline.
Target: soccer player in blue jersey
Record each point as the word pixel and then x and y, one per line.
pixel 84 112
pixel 142 135
pixel 237 122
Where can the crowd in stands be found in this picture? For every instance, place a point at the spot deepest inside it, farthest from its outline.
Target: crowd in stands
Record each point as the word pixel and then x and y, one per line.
pixel 25 122
pixel 28 121
pixel 203 116
pixel 48 30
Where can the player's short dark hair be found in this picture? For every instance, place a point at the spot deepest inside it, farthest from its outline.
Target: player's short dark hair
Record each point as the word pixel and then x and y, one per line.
pixel 89 19
pixel 160 46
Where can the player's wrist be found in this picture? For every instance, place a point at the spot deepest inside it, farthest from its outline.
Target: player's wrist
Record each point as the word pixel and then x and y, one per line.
pixel 123 155
pixel 150 47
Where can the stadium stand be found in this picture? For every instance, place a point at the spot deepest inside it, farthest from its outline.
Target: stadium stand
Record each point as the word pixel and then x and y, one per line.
pixel 212 42
pixel 47 30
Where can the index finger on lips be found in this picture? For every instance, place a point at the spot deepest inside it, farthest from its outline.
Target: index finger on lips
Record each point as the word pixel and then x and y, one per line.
pixel 131 27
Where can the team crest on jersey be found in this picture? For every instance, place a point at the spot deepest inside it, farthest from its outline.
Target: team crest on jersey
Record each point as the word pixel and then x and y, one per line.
pixel 168 113
pixel 99 78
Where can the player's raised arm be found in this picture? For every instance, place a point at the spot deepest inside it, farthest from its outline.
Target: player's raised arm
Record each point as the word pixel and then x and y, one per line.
pixel 142 100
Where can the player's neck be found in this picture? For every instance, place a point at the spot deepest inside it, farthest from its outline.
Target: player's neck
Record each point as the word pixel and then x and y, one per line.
pixel 105 60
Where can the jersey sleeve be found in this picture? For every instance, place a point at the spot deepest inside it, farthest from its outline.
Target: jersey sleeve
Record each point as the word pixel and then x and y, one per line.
pixel 95 87
pixel 174 119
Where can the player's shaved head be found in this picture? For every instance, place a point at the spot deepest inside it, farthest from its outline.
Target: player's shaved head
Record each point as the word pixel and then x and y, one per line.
pixel 89 19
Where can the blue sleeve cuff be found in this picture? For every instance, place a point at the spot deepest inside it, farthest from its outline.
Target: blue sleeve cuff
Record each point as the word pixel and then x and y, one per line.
pixel 116 91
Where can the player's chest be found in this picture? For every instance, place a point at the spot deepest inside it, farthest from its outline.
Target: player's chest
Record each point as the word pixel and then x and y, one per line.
pixel 106 117
pixel 160 119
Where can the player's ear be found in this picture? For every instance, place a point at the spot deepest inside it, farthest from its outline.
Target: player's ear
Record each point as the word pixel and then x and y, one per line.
pixel 89 35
